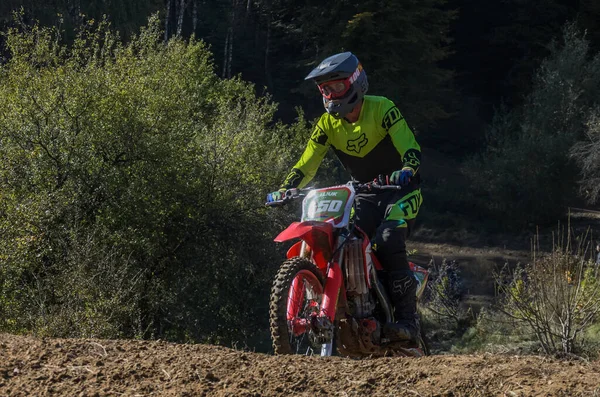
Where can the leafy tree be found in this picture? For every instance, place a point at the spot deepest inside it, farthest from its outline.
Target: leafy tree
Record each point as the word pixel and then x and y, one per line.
pixel 132 187
pixel 402 44
pixel 125 16
pixel 525 175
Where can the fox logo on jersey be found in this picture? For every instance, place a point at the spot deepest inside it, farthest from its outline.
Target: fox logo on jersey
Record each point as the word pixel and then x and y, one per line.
pixel 391 117
pixel 357 144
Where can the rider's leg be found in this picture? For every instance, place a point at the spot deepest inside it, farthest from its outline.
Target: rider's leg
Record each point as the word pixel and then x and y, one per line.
pixel 390 246
pixel 368 212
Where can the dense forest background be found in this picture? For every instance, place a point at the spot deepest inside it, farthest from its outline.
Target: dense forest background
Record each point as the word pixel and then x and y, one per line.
pixel 139 139
pixel 440 60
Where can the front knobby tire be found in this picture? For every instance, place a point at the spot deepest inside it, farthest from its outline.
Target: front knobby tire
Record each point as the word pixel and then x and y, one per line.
pixel 311 279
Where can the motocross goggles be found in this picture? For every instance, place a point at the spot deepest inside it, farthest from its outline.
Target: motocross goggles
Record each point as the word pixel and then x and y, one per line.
pixel 338 88
pixel 335 88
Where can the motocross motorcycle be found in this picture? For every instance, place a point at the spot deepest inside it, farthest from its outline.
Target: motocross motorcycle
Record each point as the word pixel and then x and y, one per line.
pixel 329 291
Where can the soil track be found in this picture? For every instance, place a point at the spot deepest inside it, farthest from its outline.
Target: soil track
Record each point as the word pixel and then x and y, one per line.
pixel 79 367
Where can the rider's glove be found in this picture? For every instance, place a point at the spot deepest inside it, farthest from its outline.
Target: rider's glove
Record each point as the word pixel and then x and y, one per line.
pixel 276 196
pixel 402 177
pixel 382 180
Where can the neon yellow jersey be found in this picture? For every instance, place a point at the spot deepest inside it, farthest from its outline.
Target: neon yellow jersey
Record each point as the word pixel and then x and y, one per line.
pixel 378 143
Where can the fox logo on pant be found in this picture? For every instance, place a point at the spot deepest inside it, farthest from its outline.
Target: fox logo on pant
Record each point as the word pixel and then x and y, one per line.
pixel 357 144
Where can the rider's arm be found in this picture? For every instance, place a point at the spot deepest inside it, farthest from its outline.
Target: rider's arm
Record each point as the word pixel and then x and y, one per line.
pixel 402 137
pixel 306 168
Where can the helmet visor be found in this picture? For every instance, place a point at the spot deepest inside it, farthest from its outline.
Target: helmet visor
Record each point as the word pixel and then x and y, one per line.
pixel 335 88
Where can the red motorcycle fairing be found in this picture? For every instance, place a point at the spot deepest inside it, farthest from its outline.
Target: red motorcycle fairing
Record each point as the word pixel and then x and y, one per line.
pixel 318 235
pixel 294 250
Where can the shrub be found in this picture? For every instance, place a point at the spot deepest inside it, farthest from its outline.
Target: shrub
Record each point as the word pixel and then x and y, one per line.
pixel 445 293
pixel 557 295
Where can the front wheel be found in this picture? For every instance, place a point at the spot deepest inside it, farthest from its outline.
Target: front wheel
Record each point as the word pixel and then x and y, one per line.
pixel 295 299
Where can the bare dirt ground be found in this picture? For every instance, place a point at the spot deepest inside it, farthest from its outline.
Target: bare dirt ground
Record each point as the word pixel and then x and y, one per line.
pixel 78 367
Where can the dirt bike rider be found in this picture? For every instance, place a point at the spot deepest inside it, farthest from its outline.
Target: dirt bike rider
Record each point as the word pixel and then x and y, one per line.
pixel 373 141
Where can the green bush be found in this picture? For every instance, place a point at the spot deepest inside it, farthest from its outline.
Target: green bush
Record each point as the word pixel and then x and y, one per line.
pixel 132 187
pixel 445 293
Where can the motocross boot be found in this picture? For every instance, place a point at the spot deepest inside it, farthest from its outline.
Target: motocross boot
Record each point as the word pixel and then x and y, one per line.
pixel 402 288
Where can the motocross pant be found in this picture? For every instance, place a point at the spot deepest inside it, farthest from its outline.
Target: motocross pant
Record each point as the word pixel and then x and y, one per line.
pixel 390 215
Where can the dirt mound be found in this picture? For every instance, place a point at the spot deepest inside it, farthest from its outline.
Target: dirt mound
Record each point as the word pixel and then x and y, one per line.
pixel 86 367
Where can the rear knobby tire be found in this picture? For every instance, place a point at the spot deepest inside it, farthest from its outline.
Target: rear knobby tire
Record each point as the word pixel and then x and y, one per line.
pixel 284 341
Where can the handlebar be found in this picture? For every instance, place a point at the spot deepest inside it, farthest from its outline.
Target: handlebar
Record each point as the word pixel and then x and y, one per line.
pixel 370 186
pixel 292 194
pixel 289 195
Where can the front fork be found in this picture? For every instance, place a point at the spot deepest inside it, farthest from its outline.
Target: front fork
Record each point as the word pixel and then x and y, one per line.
pixel 333 283
pixel 333 287
pixel 326 319
pixel 323 321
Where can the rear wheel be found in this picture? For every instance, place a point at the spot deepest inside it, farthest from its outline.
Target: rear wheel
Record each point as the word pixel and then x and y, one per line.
pixel 295 298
